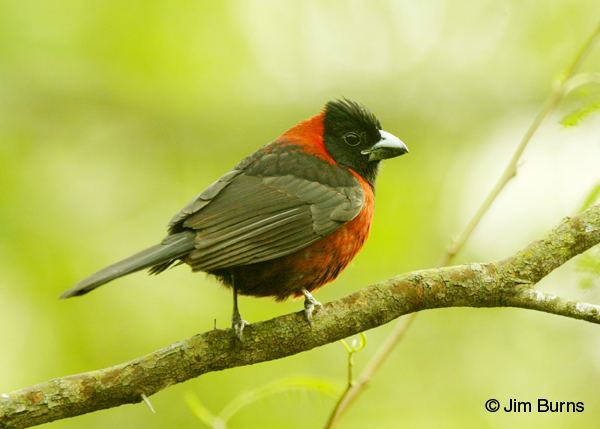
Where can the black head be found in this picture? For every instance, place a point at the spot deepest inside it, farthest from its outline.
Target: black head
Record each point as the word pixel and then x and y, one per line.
pixel 354 138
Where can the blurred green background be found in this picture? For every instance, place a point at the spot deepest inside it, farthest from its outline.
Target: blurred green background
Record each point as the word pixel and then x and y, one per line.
pixel 113 114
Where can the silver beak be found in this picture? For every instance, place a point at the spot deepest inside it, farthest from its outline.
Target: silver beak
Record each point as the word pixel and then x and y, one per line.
pixel 389 146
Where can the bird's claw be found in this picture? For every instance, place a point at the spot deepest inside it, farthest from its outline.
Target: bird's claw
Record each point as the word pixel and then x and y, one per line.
pixel 238 324
pixel 309 305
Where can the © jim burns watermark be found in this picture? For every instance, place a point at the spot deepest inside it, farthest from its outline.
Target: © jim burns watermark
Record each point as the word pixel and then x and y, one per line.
pixel 542 405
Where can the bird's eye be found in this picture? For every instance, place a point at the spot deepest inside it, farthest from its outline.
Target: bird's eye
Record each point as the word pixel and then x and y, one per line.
pixel 351 139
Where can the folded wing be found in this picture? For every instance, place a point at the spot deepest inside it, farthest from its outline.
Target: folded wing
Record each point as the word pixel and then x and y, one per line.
pixel 272 206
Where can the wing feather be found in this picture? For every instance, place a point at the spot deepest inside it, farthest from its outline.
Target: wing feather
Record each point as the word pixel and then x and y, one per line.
pixel 265 209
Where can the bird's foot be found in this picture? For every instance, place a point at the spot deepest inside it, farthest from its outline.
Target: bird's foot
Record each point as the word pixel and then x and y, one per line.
pixel 309 305
pixel 238 324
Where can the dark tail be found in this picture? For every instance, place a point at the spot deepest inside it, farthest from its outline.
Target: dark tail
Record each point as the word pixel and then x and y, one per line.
pixel 171 248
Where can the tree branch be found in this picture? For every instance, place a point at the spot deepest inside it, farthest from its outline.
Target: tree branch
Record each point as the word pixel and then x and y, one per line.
pixel 548 303
pixel 506 283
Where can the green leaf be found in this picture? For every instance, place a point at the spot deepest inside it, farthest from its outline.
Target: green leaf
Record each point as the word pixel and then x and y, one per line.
pixel 575 117
pixel 579 81
pixel 294 383
pixel 203 414
pixel 591 198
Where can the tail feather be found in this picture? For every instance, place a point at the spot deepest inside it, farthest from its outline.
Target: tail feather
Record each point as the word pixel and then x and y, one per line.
pixel 171 248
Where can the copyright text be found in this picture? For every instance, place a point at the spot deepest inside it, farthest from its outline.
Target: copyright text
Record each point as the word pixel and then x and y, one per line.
pixel 541 405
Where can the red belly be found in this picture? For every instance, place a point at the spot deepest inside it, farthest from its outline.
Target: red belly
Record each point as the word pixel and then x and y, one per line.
pixel 309 268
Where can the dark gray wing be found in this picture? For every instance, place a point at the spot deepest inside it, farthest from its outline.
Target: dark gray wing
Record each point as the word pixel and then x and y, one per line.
pixel 274 205
pixel 202 199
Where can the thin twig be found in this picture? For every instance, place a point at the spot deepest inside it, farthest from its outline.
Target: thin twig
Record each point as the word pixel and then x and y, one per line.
pixel 353 389
pixel 350 394
pixel 148 403
pixel 511 169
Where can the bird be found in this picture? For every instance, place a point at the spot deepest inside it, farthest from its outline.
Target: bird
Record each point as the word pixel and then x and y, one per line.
pixel 284 221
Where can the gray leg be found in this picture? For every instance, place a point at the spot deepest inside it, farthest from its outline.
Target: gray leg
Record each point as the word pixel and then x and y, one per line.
pixel 237 323
pixel 309 304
